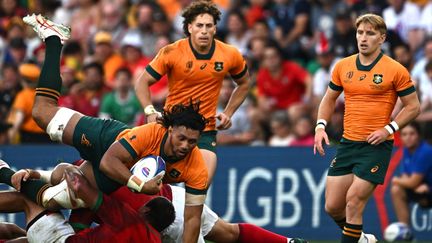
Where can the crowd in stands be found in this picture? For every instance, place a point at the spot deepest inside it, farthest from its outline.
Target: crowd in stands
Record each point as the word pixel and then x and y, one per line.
pixel 290 46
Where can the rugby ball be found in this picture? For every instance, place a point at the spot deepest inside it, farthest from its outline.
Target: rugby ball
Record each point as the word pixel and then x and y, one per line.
pixel 398 232
pixel 148 167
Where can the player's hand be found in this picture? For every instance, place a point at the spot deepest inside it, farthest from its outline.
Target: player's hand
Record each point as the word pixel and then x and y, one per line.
pixel 152 117
pixel 378 136
pixel 225 121
pixel 154 185
pixel 21 175
pixel 320 135
pixel 422 189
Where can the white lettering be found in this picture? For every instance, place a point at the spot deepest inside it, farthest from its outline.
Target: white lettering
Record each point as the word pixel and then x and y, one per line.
pixel 317 194
pixel 232 177
pixel 283 197
pixel 264 202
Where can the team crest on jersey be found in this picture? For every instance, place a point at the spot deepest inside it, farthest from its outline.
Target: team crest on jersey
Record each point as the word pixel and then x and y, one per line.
pixel 174 173
pixel 378 78
pixel 218 66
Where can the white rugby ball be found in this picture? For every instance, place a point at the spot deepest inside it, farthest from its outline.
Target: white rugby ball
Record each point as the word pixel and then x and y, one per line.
pixel 398 232
pixel 148 167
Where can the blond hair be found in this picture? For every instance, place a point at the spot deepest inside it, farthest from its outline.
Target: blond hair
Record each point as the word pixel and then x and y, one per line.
pixel 376 21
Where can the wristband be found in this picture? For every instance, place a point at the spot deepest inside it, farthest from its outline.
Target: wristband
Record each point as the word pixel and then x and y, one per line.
pixel 318 126
pixel 321 121
pixel 392 127
pixel 149 110
pixel 135 184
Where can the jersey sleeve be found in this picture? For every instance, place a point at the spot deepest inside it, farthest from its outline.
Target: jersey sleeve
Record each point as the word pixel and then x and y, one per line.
pixel 403 83
pixel 160 64
pixel 197 174
pixel 239 67
pixel 139 141
pixel 336 83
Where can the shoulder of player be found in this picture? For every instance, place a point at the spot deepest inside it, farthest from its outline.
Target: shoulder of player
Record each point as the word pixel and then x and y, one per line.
pixel 225 47
pixel 175 46
pixel 390 61
pixel 347 60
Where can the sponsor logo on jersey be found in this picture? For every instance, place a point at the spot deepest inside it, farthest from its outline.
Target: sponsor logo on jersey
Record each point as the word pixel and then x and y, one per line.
pixel 203 66
pixel 133 137
pixel 218 66
pixel 85 141
pixel 362 77
pixel 374 169
pixel 174 173
pixel 213 144
pixel 378 78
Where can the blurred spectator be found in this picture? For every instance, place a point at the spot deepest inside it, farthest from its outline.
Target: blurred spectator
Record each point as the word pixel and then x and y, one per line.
pixel 113 20
pixel 344 38
pixel 8 10
pixel 323 17
pixel 290 22
pixel 281 83
pixel 25 129
pixel 9 87
pixel 238 34
pixel 4 128
pixel 398 16
pixel 414 184
pixel 241 130
pixel 132 54
pixel 177 20
pixel 256 52
pixel 161 26
pixel 261 29
pixel 16 52
pixel 84 21
pixel 121 104
pixel 426 18
pixel 145 11
pixel 368 6
pixel 280 130
pixel 402 54
pixel 256 11
pixel 86 97
pixel 425 90
pixel 105 55
pixel 73 56
pixel 322 77
pixel 68 76
pixel 38 54
pixel 302 132
pixel 418 71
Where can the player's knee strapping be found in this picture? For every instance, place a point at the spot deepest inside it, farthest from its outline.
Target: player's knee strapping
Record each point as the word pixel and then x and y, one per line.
pixel 58 123
pixel 63 196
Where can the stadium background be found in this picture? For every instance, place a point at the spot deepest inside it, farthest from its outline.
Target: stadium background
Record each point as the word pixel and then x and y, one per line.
pixel 280 189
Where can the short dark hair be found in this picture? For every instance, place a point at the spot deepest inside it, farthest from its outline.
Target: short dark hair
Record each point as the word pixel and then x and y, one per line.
pixel 196 8
pixel 161 213
pixel 416 127
pixel 124 70
pixel 183 115
pixel 95 65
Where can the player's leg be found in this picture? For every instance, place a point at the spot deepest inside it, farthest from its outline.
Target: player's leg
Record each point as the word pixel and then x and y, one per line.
pixel 58 122
pixel 356 199
pixel 400 203
pixel 207 146
pixel 335 196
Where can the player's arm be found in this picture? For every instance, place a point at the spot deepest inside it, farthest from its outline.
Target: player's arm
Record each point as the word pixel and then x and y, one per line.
pixel 409 182
pixel 192 216
pixel 113 164
pixel 410 110
pixel 325 110
pixel 142 90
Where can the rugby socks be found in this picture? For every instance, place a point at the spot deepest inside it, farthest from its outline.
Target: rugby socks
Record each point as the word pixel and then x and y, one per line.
pixel 340 222
pixel 351 233
pixel 50 82
pixel 31 188
pixel 252 233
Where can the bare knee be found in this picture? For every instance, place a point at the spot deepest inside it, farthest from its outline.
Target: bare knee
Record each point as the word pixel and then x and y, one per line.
pixel 397 191
pixel 335 211
pixel 44 110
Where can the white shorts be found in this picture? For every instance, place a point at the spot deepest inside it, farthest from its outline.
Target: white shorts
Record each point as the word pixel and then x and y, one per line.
pixel 50 228
pixel 174 232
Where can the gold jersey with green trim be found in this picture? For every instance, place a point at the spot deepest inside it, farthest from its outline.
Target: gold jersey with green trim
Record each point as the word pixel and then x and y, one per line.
pixel 370 93
pixel 197 76
pixel 149 139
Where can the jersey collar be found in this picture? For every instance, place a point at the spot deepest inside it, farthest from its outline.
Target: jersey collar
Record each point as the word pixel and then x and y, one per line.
pixel 369 67
pixel 200 56
pixel 165 157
